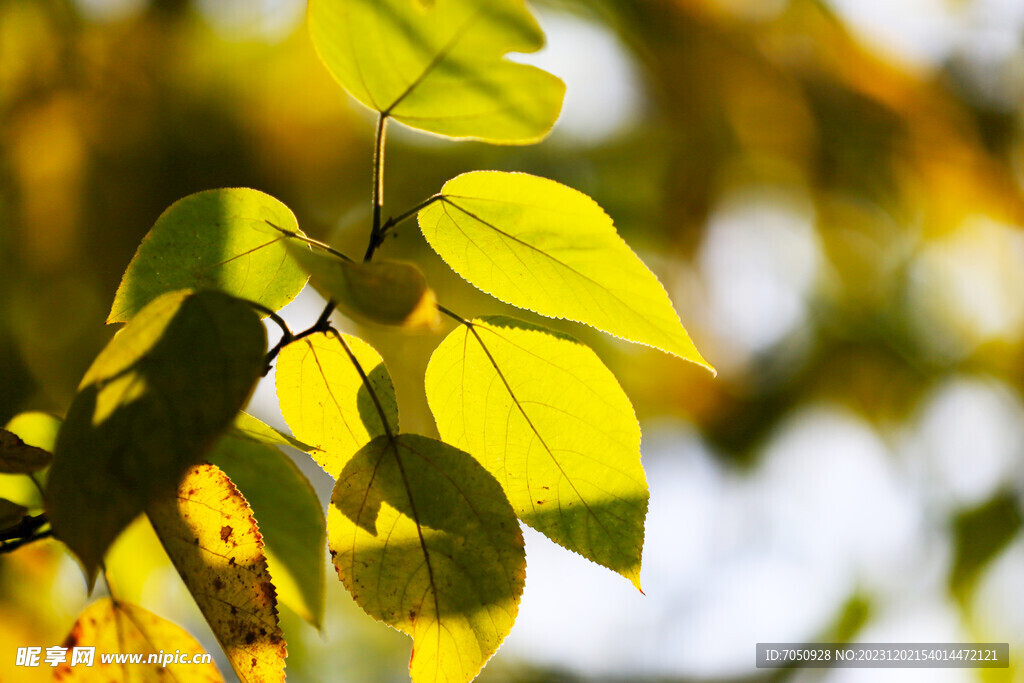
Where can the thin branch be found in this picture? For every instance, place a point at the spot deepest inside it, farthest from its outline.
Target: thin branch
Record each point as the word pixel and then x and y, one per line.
pixel 454 316
pixel 285 332
pixel 378 185
pixel 309 240
pixel 11 546
pixel 400 218
pixel 24 532
pixel 39 487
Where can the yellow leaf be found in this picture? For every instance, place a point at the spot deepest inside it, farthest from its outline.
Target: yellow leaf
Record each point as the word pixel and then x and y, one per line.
pixel 211 537
pixel 126 629
pixel 323 398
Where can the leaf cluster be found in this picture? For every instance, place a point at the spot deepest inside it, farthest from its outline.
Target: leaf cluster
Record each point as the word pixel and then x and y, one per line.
pixel 424 533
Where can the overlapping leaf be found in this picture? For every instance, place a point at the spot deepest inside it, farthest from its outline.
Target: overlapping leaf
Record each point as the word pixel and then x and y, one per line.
pixel 11 513
pixel 424 539
pixel 383 292
pixel 323 398
pixel 440 66
pixel 210 534
pixel 123 628
pixel 17 457
pixel 290 518
pixel 540 245
pixel 151 404
pixel 38 430
pixel 544 415
pixel 217 239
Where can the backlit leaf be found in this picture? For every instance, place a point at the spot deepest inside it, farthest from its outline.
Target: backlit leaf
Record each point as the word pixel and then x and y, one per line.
pixel 440 66
pixel 323 398
pixel 383 292
pixel 424 539
pixel 539 245
pixel 253 429
pixel 289 515
pixel 151 405
pixel 216 239
pixel 211 537
pixel 123 628
pixel 17 457
pixel 544 415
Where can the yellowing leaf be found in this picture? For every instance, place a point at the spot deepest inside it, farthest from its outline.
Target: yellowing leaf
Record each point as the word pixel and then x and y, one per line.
pixel 323 398
pixel 151 405
pixel 383 292
pixel 211 537
pixel 425 541
pixel 539 245
pixel 126 629
pixel 17 457
pixel 544 415
pixel 290 518
pixel 216 239
pixel 440 66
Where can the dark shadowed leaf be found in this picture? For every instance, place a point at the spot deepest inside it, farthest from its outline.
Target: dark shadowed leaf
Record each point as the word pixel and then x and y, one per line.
pixel 152 403
pixel 17 457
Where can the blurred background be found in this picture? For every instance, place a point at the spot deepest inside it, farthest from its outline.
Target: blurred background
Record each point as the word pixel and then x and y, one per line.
pixel 830 190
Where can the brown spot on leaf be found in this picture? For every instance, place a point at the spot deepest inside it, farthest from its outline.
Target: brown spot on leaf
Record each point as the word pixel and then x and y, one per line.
pixel 250 638
pixel 225 533
pixel 218 584
pixel 231 561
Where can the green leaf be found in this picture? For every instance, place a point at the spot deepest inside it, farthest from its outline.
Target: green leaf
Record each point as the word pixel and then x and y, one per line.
pixel 539 245
pixel 252 429
pixel 441 68
pixel 289 515
pixel 17 457
pixel 216 239
pixel 123 628
pixel 209 532
pixel 425 541
pixel 544 415
pixel 152 403
pixel 323 398
pixel 383 292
